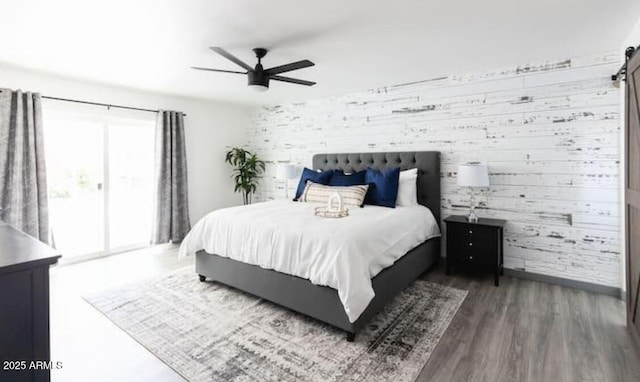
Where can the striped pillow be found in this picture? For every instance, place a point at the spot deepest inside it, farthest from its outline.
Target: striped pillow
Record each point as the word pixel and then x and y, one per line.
pixel 319 193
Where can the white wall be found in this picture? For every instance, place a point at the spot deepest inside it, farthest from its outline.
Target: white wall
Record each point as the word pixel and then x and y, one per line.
pixel 209 128
pixel 549 132
pixel 633 38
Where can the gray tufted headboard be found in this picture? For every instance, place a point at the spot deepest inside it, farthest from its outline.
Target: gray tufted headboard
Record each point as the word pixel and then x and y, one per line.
pixel 427 163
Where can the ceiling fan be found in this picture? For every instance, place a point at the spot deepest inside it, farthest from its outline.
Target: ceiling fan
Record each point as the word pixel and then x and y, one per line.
pixel 259 77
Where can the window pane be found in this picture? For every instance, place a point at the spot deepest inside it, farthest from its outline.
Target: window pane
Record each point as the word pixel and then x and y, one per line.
pixel 131 156
pixel 74 154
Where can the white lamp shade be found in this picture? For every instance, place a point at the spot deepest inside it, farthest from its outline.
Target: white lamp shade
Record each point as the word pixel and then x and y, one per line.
pixel 473 175
pixel 285 171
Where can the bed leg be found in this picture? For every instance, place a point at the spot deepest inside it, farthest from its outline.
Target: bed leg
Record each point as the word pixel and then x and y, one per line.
pixel 202 278
pixel 351 337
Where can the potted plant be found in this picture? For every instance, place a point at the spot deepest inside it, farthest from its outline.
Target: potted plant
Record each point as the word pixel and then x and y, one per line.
pixel 247 169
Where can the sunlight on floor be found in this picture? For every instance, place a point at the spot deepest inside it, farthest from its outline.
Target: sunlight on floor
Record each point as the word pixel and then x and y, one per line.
pixel 88 344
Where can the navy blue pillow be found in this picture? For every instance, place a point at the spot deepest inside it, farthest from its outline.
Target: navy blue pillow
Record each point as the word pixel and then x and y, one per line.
pixel 383 187
pixel 323 177
pixel 339 178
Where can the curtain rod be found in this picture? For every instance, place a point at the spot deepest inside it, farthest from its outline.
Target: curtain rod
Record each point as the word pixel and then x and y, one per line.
pixel 107 105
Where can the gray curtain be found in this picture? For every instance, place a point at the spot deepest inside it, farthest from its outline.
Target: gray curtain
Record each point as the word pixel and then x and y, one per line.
pixel 171 215
pixel 23 180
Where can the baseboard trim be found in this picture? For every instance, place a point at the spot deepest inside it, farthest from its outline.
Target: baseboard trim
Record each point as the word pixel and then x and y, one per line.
pixel 582 285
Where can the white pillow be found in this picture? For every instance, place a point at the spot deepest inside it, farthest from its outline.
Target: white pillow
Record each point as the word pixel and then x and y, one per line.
pixel 408 188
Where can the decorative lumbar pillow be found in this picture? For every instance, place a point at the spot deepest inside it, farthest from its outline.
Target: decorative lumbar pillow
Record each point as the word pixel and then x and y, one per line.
pixel 339 178
pixel 320 193
pixel 383 187
pixel 334 207
pixel 408 188
pixel 323 177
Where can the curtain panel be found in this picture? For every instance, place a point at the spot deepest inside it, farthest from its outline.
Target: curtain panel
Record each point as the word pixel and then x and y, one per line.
pixel 171 207
pixel 23 180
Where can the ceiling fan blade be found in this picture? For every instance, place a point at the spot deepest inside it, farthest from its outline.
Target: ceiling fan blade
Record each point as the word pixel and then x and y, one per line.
pixel 289 67
pixel 217 70
pixel 231 57
pixel 292 80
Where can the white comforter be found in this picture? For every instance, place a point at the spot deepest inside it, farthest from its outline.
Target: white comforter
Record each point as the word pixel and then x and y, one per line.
pixel 343 253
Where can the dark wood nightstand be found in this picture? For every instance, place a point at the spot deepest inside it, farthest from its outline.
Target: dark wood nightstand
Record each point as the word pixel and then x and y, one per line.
pixel 475 245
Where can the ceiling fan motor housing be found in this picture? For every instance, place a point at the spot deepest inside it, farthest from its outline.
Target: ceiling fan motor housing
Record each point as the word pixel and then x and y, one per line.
pixel 258 77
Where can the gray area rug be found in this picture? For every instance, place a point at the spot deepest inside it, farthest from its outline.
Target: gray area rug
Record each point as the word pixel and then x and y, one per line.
pixel 209 332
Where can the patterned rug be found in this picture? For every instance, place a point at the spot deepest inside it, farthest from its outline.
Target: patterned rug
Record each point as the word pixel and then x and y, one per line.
pixel 209 332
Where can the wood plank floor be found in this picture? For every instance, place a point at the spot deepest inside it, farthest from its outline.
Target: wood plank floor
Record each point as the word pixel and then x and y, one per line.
pixel 520 331
pixel 530 331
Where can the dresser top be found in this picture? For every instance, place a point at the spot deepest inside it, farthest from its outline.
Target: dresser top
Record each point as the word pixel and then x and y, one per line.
pixel 481 221
pixel 19 250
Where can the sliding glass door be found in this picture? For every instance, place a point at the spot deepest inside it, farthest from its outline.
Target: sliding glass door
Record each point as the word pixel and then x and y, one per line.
pixel 100 174
pixel 75 176
pixel 130 183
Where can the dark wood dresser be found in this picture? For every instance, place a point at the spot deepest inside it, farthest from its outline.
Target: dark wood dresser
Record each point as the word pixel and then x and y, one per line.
pixel 24 306
pixel 477 246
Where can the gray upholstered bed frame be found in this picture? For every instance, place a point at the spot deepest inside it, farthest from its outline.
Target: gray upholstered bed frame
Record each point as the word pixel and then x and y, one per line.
pixel 322 302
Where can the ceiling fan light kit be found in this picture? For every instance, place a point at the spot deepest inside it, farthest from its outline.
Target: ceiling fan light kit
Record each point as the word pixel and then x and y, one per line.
pixel 258 88
pixel 258 77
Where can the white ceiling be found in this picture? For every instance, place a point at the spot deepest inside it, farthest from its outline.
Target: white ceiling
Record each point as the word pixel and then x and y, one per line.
pixel 356 44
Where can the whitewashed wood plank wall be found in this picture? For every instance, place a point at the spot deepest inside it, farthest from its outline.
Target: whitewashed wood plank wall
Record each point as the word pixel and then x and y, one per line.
pixel 549 132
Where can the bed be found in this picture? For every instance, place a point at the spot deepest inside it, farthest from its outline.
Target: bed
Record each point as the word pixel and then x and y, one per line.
pixel 323 302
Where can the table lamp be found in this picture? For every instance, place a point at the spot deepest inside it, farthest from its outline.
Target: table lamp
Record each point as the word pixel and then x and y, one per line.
pixel 285 172
pixel 473 175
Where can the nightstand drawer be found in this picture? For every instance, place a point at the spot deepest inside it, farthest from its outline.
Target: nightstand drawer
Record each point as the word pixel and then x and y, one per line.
pixel 472 241
pixel 470 257
pixel 472 232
